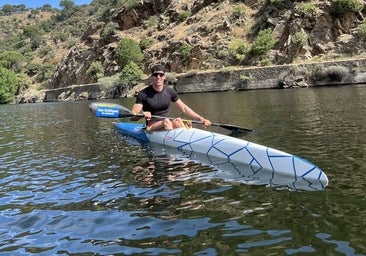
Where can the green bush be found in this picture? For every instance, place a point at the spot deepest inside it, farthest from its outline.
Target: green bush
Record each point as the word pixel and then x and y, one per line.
pixel 266 62
pixel 145 42
pixel 110 29
pixel 344 6
pixel 184 15
pixel 60 36
pixel 8 85
pixel 71 43
pixel 44 50
pixel 96 70
pixel 23 82
pixel 43 71
pixel 238 11
pixel 185 50
pixel 361 30
pixel 152 22
pixel 308 9
pixel 131 74
pixel 127 3
pixel 109 84
pixel 128 50
pixel 238 49
pixel 300 38
pixel 246 78
pixel 263 43
pixel 12 60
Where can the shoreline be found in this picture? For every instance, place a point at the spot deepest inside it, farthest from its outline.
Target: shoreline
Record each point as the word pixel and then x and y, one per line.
pixel 304 75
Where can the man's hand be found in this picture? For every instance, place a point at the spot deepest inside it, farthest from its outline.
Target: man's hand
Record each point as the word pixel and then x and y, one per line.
pixel 147 115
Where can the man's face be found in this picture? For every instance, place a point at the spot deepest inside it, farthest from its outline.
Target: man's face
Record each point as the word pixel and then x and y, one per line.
pixel 158 77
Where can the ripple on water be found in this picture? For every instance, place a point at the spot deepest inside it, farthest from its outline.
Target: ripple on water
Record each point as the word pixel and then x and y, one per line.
pixel 116 232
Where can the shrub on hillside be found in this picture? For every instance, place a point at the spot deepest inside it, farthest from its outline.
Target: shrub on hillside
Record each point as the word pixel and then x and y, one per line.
pixel 128 50
pixel 185 50
pixel 131 74
pixel 238 11
pixel 109 84
pixel 238 49
pixel 361 30
pixel 146 42
pixel 96 70
pixel 8 85
pixel 308 9
pixel 184 15
pixel 300 38
pixel 263 43
pixel 344 6
pixel 152 22
pixel 12 60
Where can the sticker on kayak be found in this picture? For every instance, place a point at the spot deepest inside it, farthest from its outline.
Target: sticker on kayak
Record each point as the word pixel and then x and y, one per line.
pixel 107 112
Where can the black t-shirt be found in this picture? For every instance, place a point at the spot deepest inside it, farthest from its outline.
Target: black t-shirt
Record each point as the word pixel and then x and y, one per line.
pixel 157 102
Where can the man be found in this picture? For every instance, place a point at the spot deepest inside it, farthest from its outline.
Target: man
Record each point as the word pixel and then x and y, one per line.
pixel 156 99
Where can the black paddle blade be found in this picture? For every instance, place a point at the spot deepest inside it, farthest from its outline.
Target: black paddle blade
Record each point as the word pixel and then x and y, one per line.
pixel 233 128
pixel 109 110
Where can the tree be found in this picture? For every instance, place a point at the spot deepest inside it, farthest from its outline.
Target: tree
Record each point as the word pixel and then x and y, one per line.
pixel 8 85
pixel 131 74
pixel 34 34
pixel 128 50
pixel 263 43
pixel 12 60
pixel 96 70
pixel 344 6
pixel 67 4
pixel 68 9
pixel 8 9
pixel 46 8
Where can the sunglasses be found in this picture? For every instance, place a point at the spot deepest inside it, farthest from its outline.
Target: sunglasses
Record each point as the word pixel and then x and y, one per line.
pixel 158 74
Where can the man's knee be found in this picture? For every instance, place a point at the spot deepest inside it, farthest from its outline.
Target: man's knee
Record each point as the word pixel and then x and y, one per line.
pixel 168 124
pixel 178 123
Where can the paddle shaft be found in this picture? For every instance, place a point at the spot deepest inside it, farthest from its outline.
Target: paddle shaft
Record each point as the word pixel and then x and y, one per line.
pixel 230 127
pixel 112 110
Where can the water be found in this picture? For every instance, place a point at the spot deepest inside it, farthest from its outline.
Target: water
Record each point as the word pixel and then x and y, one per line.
pixel 69 185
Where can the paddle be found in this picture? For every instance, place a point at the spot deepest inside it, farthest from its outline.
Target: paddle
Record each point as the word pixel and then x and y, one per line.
pixel 112 110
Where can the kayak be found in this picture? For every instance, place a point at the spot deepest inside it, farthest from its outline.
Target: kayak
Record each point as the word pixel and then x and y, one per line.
pixel 247 158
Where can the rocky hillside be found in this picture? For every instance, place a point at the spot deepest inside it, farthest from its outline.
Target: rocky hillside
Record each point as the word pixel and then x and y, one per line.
pixel 211 30
pixel 209 35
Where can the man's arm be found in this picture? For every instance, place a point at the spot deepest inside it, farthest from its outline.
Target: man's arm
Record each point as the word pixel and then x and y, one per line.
pixel 190 113
pixel 136 109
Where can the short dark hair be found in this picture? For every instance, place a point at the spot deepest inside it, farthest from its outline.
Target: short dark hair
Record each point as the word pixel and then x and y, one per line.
pixel 157 67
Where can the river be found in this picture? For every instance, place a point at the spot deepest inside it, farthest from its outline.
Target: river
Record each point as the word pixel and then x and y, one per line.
pixel 70 185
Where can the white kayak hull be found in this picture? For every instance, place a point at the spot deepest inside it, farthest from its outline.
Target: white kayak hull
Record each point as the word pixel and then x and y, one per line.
pixel 223 150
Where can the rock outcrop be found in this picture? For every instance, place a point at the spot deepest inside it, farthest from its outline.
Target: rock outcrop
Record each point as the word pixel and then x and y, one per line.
pixel 210 29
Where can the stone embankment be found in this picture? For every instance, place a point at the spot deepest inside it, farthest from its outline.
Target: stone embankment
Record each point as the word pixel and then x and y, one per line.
pixel 284 76
pixel 229 79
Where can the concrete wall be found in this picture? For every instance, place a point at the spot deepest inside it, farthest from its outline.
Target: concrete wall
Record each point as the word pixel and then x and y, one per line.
pixel 265 77
pixel 83 92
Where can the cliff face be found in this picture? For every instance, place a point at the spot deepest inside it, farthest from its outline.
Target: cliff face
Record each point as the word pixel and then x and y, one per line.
pixel 210 30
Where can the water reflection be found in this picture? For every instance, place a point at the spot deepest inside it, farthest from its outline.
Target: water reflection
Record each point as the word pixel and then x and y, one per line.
pixel 55 232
